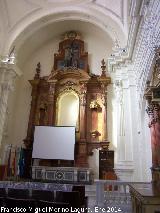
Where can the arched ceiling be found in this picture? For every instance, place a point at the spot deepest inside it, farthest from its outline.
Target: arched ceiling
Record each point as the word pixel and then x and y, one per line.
pixel 55 31
pixel 23 18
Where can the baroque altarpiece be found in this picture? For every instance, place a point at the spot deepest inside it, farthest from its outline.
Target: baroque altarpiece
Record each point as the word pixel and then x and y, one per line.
pixel 71 76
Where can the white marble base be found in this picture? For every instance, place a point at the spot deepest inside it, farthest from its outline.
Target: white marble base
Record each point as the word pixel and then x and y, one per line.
pixel 124 171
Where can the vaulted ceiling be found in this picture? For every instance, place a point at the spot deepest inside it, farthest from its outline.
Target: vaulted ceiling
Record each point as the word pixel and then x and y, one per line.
pixel 27 24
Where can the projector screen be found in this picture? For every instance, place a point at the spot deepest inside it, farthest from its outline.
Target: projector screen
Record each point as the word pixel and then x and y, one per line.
pixel 54 142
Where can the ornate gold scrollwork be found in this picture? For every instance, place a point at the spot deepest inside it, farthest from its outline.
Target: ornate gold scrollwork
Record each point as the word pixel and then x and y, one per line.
pixel 95 133
pixel 94 105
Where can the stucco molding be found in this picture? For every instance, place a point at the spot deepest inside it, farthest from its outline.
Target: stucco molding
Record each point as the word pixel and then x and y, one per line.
pixel 7 77
pixel 8 62
pixel 148 37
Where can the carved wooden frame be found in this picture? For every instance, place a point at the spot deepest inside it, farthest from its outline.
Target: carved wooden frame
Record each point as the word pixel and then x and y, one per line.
pixel 46 90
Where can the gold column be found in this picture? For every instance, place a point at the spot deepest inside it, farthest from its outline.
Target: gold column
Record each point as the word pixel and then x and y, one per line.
pixel 104 113
pixel 83 104
pixel 51 111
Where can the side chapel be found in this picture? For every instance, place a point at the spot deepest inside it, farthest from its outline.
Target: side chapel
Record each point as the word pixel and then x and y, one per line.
pixel 71 80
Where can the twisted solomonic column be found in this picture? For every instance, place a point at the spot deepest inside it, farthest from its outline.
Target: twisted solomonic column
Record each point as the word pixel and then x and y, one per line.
pixel 153 111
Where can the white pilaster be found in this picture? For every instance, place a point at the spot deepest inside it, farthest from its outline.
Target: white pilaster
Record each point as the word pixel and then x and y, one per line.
pixel 126 118
pixel 8 72
pixel 133 147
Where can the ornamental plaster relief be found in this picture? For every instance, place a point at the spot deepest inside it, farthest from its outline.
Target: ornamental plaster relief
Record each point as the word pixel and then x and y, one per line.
pixel 7 76
pixel 5 129
pixel 118 91
pixel 148 37
pixel 122 55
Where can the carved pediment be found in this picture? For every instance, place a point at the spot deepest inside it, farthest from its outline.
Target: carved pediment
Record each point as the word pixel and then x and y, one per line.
pixel 69 73
pixel 71 53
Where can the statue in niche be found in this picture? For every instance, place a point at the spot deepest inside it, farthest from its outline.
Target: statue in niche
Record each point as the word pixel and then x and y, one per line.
pixel 68 57
pixel 42 114
pixel 71 55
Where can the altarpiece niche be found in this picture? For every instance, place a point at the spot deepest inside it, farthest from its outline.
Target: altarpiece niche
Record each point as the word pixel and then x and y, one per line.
pixel 71 88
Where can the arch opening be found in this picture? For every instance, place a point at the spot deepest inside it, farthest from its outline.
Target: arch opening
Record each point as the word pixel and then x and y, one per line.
pixel 26 28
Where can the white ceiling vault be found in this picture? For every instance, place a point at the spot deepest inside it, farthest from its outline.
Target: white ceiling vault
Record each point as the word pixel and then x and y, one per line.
pixel 20 19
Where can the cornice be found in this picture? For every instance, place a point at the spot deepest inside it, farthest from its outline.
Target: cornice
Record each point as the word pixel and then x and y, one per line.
pixel 148 36
pixel 120 55
pixel 111 11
